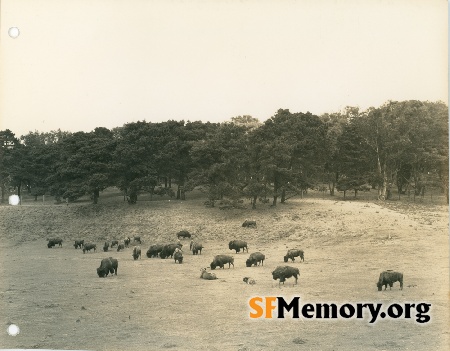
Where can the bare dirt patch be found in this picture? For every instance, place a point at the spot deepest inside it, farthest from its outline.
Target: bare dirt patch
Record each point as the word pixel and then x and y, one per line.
pixel 58 301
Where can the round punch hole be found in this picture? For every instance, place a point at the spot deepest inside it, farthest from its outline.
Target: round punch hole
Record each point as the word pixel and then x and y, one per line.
pixel 13 330
pixel 13 32
pixel 14 200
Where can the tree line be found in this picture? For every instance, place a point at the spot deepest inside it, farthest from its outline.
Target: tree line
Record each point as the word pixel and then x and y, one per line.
pixel 399 144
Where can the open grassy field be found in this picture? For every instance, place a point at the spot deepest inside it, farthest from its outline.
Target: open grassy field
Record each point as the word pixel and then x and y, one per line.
pixel 58 301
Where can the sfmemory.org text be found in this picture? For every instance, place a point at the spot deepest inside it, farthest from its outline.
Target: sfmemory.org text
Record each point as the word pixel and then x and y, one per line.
pixel 264 307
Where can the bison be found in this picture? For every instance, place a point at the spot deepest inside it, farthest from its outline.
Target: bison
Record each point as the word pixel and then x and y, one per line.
pixel 168 250
pixel 137 239
pixel 183 234
pixel 127 241
pixel 284 272
pixel 221 260
pixel 120 247
pixel 206 275
pixel 106 246
pixel 389 277
pixel 114 243
pixel 136 252
pixel 178 256
pixel 154 250
pixel 195 247
pixel 88 247
pixel 53 242
pixel 238 245
pixel 78 244
pixel 108 265
pixel 249 224
pixel 255 258
pixel 294 253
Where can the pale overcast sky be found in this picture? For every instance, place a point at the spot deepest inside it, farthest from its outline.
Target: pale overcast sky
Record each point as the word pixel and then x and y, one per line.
pixel 77 65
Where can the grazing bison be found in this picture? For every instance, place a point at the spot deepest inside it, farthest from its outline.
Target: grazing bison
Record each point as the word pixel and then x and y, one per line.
pixel 154 250
pixel 389 277
pixel 137 239
pixel 195 247
pixel 206 275
pixel 284 272
pixel 294 253
pixel 221 260
pixel 249 224
pixel 114 243
pixel 88 247
pixel 183 234
pixel 120 247
pixel 108 265
pixel 238 245
pixel 249 280
pixel 168 250
pixel 53 242
pixel 127 241
pixel 255 258
pixel 106 246
pixel 78 244
pixel 136 252
pixel 178 256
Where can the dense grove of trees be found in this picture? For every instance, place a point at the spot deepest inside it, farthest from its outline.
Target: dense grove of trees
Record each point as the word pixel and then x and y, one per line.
pixel 400 144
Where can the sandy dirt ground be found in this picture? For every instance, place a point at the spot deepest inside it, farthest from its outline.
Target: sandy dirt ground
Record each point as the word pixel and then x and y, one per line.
pixel 59 302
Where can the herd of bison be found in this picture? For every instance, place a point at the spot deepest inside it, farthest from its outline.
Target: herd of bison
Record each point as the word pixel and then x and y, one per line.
pixel 174 250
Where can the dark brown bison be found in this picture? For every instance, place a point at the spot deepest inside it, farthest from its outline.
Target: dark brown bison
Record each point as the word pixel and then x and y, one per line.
pixel 249 224
pixel 195 247
pixel 114 243
pixel 238 245
pixel 206 275
pixel 78 244
pixel 178 256
pixel 127 241
pixel 88 247
pixel 137 239
pixel 136 252
pixel 106 246
pixel 108 265
pixel 183 234
pixel 255 258
pixel 389 277
pixel 221 260
pixel 168 250
pixel 154 250
pixel 120 247
pixel 54 242
pixel 294 253
pixel 284 272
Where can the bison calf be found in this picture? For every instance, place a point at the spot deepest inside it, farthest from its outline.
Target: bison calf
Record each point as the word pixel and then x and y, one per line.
pixel 108 265
pixel 389 277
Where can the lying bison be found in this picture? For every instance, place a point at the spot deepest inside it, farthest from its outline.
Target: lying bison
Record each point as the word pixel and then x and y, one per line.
pixel 221 260
pixel 284 272
pixel 249 280
pixel 255 258
pixel 108 265
pixel 294 253
pixel 78 244
pixel 206 275
pixel 136 252
pixel 178 256
pixel 389 277
pixel 120 247
pixel 168 250
pixel 238 245
pixel 54 242
pixel 249 224
pixel 195 247
pixel 114 243
pixel 106 246
pixel 88 247
pixel 183 234
pixel 154 250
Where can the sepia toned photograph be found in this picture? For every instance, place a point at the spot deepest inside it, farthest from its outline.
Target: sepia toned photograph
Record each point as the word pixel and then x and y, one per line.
pixel 224 175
